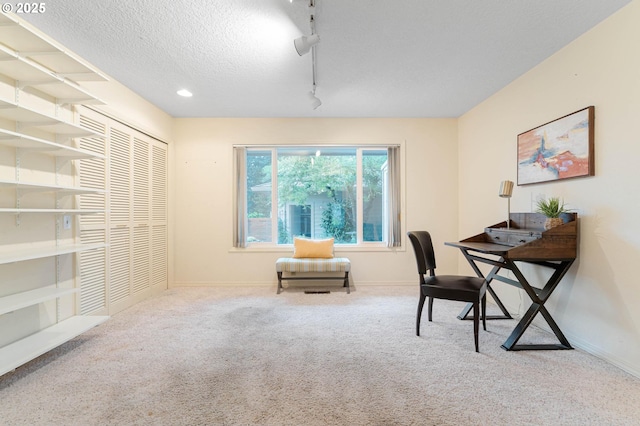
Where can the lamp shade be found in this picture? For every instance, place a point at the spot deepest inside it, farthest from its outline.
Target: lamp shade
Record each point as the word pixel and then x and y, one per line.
pixel 304 44
pixel 506 189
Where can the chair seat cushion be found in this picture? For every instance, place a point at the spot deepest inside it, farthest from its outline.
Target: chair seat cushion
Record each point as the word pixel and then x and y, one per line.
pixel 454 287
pixel 456 281
pixel 290 264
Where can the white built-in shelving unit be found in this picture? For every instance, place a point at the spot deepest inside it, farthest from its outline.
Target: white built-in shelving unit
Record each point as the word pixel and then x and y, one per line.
pixel 40 86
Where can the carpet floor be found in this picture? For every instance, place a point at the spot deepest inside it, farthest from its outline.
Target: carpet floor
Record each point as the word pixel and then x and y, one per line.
pixel 246 356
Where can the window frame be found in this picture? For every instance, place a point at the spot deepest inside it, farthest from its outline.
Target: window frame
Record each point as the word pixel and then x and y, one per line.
pixel 360 245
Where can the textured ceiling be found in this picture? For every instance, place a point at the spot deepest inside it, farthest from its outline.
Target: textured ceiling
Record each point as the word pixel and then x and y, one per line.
pixel 378 58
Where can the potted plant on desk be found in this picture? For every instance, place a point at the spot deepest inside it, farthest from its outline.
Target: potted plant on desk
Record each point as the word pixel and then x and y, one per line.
pixel 552 209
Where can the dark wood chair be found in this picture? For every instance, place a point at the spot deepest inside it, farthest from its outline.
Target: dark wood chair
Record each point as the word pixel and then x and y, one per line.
pixel 450 287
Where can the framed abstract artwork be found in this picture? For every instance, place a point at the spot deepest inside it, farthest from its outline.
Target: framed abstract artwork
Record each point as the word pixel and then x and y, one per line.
pixel 560 149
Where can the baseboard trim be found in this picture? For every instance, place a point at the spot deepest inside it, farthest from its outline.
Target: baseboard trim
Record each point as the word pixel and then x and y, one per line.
pixel 603 354
pixel 274 284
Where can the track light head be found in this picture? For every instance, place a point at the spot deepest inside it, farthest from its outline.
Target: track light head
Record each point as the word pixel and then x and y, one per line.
pixel 304 44
pixel 315 102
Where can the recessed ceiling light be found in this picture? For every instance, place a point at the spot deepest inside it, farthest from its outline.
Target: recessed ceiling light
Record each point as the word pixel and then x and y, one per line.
pixel 185 93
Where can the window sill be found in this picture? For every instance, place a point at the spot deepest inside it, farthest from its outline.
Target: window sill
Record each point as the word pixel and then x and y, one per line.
pixel 338 250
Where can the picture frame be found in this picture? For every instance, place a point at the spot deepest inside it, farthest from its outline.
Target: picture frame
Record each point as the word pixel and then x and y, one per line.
pixel 557 150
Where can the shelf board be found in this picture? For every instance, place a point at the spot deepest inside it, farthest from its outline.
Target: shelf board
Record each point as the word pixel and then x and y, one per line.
pixel 55 211
pixel 33 187
pixel 32 297
pixel 18 68
pixel 28 117
pixel 29 43
pixel 31 74
pixel 43 252
pixel 31 347
pixel 65 92
pixel 18 140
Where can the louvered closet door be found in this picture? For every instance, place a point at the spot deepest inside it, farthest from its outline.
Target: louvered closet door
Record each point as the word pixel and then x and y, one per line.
pixel 150 215
pixel 92 264
pixel 138 221
pixel 159 243
pixel 120 219
pixel 141 214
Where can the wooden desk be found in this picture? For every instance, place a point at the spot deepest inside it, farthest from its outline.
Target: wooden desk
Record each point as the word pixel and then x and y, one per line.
pixel 527 241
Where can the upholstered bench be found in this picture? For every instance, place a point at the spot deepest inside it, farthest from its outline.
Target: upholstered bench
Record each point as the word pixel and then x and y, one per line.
pixel 311 265
pixel 312 257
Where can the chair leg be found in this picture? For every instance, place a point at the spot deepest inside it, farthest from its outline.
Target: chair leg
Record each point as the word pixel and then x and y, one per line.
pixel 279 283
pixel 430 309
pixel 484 312
pixel 476 323
pixel 419 315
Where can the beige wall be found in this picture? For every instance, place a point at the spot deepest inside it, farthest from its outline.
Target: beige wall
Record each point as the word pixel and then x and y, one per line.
pixel 596 305
pixel 204 191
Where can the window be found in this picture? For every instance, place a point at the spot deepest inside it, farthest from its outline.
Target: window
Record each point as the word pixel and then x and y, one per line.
pixel 317 192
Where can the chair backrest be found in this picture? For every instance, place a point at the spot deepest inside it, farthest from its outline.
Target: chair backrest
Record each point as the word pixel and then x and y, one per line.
pixel 423 249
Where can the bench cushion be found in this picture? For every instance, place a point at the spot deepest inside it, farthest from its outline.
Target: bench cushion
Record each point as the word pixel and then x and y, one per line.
pixel 290 264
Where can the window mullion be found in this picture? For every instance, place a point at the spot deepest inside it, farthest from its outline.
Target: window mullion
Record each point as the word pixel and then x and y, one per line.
pixel 359 198
pixel 274 196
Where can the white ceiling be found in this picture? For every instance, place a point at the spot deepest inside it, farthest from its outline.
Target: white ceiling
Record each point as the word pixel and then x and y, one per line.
pixel 378 58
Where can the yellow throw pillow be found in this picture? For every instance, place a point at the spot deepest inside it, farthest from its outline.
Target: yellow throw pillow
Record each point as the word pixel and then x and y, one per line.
pixel 303 247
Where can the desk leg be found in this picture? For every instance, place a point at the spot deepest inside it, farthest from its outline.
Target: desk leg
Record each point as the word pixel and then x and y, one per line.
pixel 505 312
pixel 467 309
pixel 537 305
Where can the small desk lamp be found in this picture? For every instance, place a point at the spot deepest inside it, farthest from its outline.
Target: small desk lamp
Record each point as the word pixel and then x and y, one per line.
pixel 506 189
